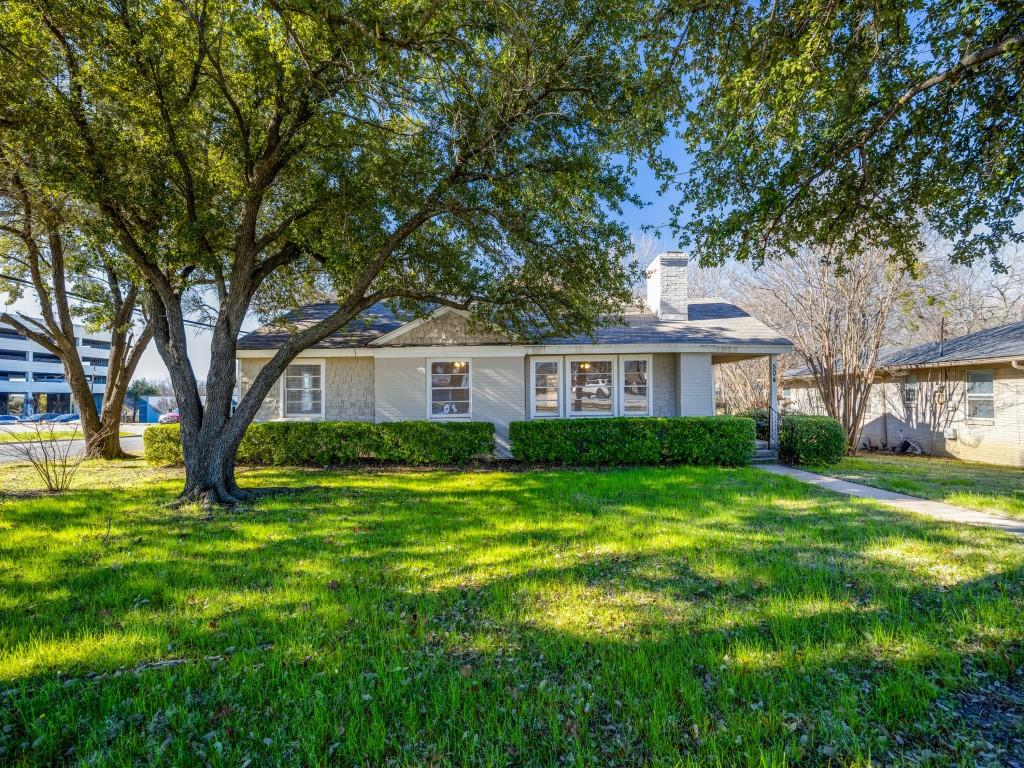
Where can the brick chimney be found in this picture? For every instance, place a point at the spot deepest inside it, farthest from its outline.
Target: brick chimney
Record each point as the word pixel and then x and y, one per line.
pixel 667 292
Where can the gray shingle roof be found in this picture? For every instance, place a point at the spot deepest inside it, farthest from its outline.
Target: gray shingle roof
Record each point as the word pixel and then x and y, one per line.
pixel 992 343
pixel 712 321
pixel 999 343
pixel 371 324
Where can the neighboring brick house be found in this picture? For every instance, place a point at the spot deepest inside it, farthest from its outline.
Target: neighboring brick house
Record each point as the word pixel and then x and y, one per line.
pixel 962 398
pixel 385 368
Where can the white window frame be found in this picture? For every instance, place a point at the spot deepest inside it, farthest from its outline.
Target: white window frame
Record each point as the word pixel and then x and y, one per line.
pixel 621 410
pixel 910 385
pixel 968 397
pixel 614 386
pixel 560 375
pixel 430 382
pixel 323 390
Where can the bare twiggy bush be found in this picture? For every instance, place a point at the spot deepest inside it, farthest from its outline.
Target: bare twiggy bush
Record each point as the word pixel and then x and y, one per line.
pixel 52 452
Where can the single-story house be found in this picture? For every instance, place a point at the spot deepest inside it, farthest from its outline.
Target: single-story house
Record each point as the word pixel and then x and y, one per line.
pixel 383 367
pixel 962 398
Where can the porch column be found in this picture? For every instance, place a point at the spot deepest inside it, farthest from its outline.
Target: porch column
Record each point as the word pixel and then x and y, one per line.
pixel 773 402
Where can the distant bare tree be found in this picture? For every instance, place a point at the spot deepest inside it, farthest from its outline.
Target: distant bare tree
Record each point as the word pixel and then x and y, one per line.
pixel 954 299
pixel 744 385
pixel 837 320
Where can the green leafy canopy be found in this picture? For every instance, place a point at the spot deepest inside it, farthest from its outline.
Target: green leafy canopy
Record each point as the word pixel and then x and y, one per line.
pixel 853 125
pixel 478 151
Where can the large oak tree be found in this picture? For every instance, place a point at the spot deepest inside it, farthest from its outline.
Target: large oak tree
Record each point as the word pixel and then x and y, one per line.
pixel 472 154
pixel 855 124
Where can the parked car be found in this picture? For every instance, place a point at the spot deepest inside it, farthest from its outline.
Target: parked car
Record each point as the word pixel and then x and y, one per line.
pixel 171 417
pixel 6 418
pixel 33 419
pixel 66 418
pixel 50 416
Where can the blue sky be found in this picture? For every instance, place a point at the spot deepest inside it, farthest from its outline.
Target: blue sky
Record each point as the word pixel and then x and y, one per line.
pixel 656 211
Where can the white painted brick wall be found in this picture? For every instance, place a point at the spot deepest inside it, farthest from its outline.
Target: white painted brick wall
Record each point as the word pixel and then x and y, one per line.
pixel 667 286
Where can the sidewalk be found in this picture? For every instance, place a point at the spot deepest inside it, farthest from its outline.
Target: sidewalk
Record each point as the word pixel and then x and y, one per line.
pixel 937 509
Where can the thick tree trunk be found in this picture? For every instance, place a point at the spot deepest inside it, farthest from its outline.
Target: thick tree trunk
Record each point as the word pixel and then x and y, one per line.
pixel 210 432
pixel 92 426
pixel 209 473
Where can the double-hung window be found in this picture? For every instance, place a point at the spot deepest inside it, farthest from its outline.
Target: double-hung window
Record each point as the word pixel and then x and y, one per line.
pixel 910 391
pixel 546 392
pixel 303 391
pixel 592 386
pixel 981 405
pixel 450 389
pixel 636 391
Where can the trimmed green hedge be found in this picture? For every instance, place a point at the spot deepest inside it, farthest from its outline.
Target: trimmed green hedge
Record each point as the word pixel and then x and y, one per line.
pixel 327 443
pixel 761 418
pixel 811 440
pixel 702 440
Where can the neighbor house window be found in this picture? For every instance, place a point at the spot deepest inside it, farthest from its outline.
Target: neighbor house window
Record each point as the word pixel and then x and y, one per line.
pixel 303 391
pixel 910 391
pixel 980 397
pixel 591 386
pixel 636 389
pixel 547 375
pixel 449 389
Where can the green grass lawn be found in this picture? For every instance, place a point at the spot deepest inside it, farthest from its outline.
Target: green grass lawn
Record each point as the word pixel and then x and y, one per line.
pixel 631 617
pixel 979 486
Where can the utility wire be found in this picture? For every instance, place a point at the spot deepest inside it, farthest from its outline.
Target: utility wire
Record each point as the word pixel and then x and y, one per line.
pixel 22 281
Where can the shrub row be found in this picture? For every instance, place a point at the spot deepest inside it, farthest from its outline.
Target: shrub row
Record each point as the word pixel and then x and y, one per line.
pixel 762 419
pixel 700 440
pixel 811 440
pixel 329 443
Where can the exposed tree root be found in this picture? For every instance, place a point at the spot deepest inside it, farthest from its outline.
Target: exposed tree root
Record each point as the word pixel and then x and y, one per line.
pixel 220 496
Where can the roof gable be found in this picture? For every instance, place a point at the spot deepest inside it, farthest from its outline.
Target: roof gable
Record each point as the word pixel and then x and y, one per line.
pixel 445 325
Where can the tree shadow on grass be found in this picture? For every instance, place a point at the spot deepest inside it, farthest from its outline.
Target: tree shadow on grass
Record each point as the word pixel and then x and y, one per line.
pixel 616 618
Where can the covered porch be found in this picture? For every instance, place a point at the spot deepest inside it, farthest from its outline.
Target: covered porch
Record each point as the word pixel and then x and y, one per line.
pixel 760 383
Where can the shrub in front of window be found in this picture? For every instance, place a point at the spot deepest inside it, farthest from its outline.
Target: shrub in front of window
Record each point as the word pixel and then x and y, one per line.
pixel 811 440
pixel 334 443
pixel 586 442
pixel 702 440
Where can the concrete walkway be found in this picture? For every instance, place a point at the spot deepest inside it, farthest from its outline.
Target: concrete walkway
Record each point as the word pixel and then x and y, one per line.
pixel 937 509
